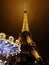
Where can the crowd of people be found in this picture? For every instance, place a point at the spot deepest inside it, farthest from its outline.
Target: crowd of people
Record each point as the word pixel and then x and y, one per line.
pixel 8 48
pixel 14 56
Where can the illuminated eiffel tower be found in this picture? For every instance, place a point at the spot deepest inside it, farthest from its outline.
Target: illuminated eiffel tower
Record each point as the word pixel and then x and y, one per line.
pixel 28 48
pixel 26 37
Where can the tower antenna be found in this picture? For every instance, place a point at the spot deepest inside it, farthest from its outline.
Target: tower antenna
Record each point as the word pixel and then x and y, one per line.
pixel 25 5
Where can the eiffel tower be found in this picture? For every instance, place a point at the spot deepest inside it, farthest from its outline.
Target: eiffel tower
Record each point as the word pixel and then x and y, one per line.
pixel 29 52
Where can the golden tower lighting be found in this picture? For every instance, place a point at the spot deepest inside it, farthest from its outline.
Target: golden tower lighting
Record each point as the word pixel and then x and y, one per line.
pixel 25 26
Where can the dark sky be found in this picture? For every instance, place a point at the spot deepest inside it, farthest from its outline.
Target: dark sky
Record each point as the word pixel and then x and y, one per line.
pixel 11 18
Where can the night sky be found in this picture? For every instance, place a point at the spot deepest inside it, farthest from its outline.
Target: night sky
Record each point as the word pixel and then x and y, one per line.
pixel 11 19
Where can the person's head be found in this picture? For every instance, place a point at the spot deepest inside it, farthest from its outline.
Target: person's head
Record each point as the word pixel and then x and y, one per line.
pixel 11 38
pixel 2 35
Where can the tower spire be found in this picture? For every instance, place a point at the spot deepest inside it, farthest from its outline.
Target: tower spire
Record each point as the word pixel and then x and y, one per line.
pixel 25 26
